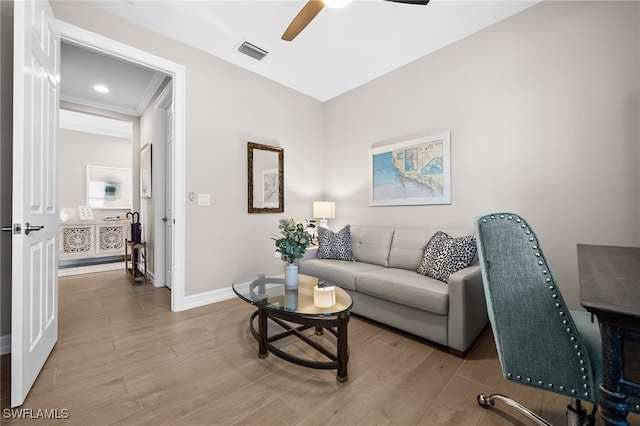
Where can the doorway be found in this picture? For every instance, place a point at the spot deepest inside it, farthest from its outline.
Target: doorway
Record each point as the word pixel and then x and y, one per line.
pixel 177 104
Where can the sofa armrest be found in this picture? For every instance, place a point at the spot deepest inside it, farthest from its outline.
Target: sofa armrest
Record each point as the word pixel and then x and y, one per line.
pixel 467 307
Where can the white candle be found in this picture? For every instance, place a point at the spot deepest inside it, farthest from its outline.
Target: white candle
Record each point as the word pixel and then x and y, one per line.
pixel 324 297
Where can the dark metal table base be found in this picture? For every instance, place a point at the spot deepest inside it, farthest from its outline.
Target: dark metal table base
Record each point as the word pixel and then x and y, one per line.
pixel 619 379
pixel 336 325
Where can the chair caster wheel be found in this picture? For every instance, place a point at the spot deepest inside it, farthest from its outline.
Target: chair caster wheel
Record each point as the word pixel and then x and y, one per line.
pixel 483 401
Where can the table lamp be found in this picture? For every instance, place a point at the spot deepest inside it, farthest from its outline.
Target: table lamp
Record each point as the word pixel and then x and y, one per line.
pixel 325 210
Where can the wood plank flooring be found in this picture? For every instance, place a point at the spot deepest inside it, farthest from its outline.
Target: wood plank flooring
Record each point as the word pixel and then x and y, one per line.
pixel 123 358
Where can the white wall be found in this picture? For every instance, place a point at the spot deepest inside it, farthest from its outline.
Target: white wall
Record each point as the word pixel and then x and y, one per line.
pixel 76 151
pixel 135 138
pixel 543 112
pixel 227 107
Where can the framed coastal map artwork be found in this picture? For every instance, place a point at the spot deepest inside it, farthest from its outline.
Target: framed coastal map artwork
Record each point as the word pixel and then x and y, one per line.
pixel 412 172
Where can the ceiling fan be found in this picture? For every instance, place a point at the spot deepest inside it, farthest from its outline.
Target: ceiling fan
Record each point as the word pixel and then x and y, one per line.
pixel 313 7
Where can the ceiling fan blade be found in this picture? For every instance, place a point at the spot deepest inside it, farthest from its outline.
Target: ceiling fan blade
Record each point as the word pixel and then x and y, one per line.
pixel 420 2
pixel 302 19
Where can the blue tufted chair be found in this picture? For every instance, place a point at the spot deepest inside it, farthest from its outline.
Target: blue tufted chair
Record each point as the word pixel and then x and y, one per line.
pixel 540 342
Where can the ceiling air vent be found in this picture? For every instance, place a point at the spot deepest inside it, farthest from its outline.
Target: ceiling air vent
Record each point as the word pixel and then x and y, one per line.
pixel 252 50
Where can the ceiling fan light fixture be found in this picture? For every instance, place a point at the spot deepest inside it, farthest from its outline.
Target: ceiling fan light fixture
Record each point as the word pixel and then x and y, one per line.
pixel 336 4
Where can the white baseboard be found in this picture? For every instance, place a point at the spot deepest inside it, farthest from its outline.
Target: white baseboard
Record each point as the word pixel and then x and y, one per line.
pixel 208 297
pixel 151 278
pixel 5 344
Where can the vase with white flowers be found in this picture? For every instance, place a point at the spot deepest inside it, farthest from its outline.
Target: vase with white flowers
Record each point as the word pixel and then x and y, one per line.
pixel 292 244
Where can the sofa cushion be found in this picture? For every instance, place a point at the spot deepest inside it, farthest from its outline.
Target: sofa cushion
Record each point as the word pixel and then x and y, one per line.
pixel 334 245
pixel 371 244
pixel 407 247
pixel 405 288
pixel 339 272
pixel 444 255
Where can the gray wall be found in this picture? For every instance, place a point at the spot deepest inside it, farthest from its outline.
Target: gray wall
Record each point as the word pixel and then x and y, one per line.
pixel 543 113
pixel 543 110
pixel 76 151
pixel 227 107
pixel 6 159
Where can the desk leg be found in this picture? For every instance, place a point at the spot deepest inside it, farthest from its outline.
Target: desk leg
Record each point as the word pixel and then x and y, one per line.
pixel 613 410
pixel 262 333
pixel 343 348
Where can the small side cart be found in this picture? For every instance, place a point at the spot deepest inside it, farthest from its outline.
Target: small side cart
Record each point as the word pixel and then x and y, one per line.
pixel 135 254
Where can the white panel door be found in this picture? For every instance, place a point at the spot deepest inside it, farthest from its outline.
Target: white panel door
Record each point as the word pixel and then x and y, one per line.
pixel 34 326
pixel 168 185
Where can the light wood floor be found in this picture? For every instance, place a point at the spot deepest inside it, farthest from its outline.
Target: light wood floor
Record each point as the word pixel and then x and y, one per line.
pixel 123 358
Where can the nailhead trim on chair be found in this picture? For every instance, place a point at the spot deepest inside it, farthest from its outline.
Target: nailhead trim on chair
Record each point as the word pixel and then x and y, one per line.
pixel 558 305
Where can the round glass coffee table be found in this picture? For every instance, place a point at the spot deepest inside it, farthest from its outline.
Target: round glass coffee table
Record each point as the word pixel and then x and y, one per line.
pixel 283 307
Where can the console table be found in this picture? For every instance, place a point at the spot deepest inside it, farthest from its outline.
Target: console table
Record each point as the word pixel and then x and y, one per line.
pixel 610 289
pixel 87 239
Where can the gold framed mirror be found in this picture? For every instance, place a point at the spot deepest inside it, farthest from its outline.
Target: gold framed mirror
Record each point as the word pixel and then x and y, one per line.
pixel 265 178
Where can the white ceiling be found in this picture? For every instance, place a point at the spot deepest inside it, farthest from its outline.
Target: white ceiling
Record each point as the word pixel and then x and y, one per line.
pixel 130 86
pixel 340 49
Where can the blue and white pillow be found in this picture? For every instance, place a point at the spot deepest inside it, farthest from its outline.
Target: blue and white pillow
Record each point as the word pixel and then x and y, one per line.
pixel 443 255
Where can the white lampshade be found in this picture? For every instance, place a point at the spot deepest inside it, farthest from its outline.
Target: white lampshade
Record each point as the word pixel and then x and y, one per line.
pixel 325 210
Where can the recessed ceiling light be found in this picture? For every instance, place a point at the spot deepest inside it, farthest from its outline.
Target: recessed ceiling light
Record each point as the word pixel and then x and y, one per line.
pixel 101 88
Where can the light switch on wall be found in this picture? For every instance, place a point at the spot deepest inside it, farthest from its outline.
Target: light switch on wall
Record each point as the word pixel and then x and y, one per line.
pixel 204 199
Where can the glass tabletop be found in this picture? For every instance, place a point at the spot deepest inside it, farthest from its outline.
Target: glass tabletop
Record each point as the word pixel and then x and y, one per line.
pixel 270 293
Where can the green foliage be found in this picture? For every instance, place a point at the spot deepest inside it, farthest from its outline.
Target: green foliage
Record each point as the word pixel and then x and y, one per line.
pixel 294 240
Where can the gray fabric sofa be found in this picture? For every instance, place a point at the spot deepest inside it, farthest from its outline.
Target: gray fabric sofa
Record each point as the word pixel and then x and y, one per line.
pixel 384 285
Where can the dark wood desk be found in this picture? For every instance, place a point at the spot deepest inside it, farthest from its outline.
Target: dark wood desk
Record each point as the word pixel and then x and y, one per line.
pixel 610 289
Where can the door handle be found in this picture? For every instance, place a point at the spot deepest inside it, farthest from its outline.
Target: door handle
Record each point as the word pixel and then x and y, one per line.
pixel 164 219
pixel 29 228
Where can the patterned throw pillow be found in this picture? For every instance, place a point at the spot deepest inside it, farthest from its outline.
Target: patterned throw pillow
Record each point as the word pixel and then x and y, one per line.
pixel 334 245
pixel 443 255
